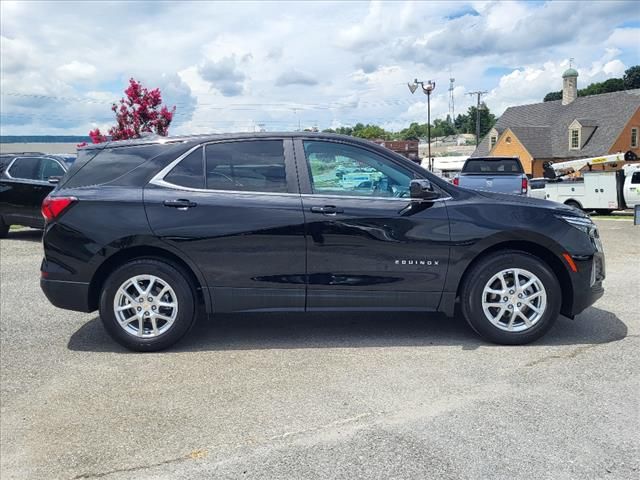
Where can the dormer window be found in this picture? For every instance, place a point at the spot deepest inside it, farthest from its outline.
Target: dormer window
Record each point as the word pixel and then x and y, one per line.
pixel 493 139
pixel 634 137
pixel 574 139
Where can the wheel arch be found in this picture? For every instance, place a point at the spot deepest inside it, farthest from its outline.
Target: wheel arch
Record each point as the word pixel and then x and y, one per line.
pixel 571 201
pixel 143 251
pixel 537 250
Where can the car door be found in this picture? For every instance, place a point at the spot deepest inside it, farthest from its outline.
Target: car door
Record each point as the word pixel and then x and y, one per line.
pixel 369 247
pixel 24 188
pixel 234 209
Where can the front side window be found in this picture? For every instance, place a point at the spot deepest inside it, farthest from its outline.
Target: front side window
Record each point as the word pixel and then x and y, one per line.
pixel 575 139
pixel 634 137
pixel 338 169
pixel 49 168
pixel 252 166
pixel 635 178
pixel 189 172
pixel 25 168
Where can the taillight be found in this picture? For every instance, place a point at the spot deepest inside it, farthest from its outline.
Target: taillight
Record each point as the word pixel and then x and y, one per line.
pixel 525 184
pixel 456 181
pixel 52 207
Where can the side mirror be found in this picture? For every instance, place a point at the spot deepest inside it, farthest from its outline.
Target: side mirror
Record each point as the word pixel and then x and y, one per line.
pixel 54 180
pixel 423 190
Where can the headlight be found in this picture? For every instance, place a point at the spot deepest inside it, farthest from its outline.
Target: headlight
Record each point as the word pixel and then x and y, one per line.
pixel 581 223
pixel 584 224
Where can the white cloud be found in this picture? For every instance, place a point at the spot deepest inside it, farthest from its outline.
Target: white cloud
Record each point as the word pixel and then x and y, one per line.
pixel 234 65
pixel 76 71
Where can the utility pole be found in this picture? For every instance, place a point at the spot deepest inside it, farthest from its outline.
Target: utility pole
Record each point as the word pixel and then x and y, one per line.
pixel 452 113
pixel 479 94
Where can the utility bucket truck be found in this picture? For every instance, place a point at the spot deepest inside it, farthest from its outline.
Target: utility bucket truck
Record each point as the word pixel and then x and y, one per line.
pixel 602 191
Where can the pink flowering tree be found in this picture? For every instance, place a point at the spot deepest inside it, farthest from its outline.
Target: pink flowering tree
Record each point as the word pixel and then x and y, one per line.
pixel 140 111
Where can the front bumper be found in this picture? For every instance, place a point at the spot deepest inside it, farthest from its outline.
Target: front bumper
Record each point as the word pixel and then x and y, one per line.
pixel 67 295
pixel 587 283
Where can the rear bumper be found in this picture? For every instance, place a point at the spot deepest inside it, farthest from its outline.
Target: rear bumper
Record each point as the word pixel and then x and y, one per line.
pixel 67 295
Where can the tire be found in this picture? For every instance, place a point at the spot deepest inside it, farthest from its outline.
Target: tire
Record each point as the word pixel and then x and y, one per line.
pixel 171 322
pixel 573 203
pixel 4 229
pixel 604 211
pixel 544 294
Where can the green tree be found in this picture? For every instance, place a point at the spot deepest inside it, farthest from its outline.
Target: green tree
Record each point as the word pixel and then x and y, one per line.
pixel 631 77
pixel 551 96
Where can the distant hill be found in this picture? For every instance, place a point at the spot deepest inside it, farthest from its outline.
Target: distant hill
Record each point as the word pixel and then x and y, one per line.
pixel 44 139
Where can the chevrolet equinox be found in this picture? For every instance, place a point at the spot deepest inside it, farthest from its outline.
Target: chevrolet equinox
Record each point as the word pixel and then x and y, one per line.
pixel 153 231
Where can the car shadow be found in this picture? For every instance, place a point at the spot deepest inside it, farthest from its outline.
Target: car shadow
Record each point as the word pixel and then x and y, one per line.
pixel 351 330
pixel 28 234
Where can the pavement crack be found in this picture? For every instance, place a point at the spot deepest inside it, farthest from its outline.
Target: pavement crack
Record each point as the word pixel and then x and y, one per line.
pixel 191 456
pixel 335 423
pixel 572 354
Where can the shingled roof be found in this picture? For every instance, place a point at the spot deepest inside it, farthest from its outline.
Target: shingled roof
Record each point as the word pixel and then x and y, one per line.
pixel 543 128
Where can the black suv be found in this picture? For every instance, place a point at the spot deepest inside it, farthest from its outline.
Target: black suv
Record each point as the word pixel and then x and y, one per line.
pixel 147 231
pixel 25 180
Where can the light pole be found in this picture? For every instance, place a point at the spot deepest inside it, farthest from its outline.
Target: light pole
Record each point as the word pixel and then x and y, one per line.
pixel 427 88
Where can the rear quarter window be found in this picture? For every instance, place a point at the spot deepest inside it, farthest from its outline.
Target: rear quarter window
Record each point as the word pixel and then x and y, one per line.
pixel 108 164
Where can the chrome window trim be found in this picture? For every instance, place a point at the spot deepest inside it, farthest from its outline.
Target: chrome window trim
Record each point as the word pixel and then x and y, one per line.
pixel 158 180
pixel 44 182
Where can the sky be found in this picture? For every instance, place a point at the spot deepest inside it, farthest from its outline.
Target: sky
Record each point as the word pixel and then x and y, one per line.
pixel 245 66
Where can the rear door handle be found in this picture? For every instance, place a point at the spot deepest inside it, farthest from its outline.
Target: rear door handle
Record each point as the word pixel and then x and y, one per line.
pixel 180 204
pixel 327 210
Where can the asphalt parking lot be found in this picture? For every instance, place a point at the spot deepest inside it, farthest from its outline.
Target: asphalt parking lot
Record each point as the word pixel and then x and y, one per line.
pixel 320 396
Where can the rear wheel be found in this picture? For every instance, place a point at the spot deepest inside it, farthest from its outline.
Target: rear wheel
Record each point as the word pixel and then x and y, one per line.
pixel 573 203
pixel 511 298
pixel 4 228
pixel 147 305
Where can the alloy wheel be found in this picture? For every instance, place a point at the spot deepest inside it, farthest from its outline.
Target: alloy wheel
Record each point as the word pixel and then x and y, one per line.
pixel 145 306
pixel 514 300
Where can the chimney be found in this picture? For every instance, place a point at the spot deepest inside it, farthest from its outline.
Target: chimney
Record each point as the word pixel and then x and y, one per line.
pixel 569 86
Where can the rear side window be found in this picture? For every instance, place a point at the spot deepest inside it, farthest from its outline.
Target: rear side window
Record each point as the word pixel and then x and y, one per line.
pixel 189 172
pixel 109 164
pixel 498 165
pixel 49 168
pixel 635 178
pixel 255 166
pixel 25 168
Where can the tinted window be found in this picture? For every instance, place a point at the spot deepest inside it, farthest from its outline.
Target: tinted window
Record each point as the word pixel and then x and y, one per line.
pixel 189 172
pixel 25 167
pixel 109 164
pixel 49 168
pixel 338 169
pixel 485 165
pixel 635 178
pixel 256 166
pixel 537 184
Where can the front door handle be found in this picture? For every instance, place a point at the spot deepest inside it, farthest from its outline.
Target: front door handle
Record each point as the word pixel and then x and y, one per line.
pixel 327 210
pixel 180 204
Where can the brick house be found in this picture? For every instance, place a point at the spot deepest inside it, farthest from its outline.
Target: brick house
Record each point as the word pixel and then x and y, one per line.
pixel 407 148
pixel 568 129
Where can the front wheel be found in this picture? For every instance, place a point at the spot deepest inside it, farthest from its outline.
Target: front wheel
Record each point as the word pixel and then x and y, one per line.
pixel 511 298
pixel 147 305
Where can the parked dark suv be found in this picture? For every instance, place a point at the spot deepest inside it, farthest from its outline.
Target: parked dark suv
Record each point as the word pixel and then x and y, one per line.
pixel 25 180
pixel 146 231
